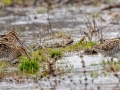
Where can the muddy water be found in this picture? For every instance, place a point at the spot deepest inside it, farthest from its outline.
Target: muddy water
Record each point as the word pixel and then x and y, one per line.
pixel 32 26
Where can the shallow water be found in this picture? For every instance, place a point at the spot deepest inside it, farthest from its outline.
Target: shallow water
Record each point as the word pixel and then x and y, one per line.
pixel 69 20
pixel 74 80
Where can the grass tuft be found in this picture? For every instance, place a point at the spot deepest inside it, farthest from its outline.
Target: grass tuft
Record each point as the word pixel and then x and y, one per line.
pixel 28 66
pixel 55 53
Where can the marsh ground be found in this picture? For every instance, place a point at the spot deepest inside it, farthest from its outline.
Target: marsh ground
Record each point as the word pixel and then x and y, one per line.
pixel 35 26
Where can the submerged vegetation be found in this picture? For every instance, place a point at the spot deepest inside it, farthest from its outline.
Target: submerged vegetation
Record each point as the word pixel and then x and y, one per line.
pixel 111 65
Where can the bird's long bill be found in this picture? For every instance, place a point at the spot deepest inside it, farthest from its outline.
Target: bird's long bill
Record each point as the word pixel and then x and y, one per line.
pixel 27 54
pixel 23 45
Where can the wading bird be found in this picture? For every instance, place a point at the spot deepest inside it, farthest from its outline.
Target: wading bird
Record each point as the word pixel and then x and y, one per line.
pixel 109 47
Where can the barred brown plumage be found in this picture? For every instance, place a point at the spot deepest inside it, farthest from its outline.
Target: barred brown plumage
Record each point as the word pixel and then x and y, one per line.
pixel 109 47
pixel 10 51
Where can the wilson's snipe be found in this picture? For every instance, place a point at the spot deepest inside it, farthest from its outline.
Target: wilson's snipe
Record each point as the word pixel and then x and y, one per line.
pixel 12 37
pixel 10 51
pixel 109 47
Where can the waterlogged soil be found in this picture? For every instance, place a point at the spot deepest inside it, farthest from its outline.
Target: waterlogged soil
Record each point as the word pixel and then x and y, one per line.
pixel 34 29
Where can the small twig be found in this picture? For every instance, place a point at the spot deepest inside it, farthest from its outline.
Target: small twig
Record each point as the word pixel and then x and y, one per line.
pixel 50 26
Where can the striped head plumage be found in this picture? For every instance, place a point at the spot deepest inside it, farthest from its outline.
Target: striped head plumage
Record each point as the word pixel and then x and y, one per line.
pixel 12 37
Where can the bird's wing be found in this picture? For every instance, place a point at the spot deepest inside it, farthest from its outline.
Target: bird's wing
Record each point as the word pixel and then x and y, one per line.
pixel 5 50
pixel 108 45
